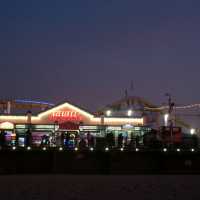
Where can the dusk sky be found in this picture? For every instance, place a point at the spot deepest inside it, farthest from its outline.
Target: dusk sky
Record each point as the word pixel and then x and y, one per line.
pixel 88 51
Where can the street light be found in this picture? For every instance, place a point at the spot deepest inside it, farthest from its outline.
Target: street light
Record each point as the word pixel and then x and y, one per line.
pixel 76 148
pixel 192 131
pixel 108 113
pixel 165 150
pixel 28 148
pixel 14 148
pixel 166 117
pixel 44 148
pixel 91 149
pixel 129 113
pixel 106 149
pixel 60 149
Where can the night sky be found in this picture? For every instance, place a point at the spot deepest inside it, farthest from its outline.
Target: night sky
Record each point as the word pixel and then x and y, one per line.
pixel 88 51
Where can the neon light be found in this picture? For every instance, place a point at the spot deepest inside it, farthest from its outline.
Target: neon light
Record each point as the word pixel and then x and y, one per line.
pixel 35 102
pixel 71 112
pixel 66 105
pixel 65 115
pixel 6 125
pixel 124 120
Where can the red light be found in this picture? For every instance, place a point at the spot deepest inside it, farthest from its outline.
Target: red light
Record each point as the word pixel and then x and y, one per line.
pixel 65 115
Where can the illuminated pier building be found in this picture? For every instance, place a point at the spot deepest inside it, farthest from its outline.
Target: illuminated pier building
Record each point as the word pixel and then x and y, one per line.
pixel 65 118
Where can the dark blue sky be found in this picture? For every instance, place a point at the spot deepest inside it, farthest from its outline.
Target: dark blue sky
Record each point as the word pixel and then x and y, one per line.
pixel 88 51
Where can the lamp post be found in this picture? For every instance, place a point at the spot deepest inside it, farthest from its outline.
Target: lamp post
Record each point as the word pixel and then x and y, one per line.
pixel 54 136
pixel 29 132
pixel 129 113
pixel 166 117
pixel 108 113
pixel 192 131
pixel 170 109
pixel 102 125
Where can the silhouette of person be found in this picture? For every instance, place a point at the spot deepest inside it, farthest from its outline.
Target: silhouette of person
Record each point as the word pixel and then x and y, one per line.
pixel 137 139
pixel 2 138
pixel 82 144
pixel 62 137
pixel 28 138
pixel 92 141
pixel 67 139
pixel 110 139
pixel 44 141
pixel 120 140
pixel 17 140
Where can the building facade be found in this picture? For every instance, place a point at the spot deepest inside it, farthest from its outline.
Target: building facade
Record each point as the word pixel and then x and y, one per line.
pixel 66 119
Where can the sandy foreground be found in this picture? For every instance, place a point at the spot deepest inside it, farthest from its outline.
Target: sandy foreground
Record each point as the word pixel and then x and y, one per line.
pixel 83 187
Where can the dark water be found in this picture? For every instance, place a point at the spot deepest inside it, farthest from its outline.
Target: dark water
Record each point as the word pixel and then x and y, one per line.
pixel 70 187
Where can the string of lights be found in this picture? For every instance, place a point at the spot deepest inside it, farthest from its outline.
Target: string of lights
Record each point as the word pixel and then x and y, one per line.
pixel 106 149
pixel 176 107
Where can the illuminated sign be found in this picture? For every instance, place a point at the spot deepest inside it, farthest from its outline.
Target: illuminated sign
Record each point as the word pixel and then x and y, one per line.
pixel 127 126
pixel 114 128
pixel 6 125
pixel 82 128
pixel 65 115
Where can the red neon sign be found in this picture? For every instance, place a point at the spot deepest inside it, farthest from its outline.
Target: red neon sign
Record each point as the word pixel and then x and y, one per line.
pixel 65 115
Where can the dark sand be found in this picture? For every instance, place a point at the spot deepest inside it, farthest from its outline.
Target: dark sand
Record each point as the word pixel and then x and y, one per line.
pixel 72 187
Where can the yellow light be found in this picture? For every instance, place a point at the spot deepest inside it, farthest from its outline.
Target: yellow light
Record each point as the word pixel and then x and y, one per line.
pixel 66 105
pixel 60 149
pixel 12 117
pixel 91 118
pixel 192 131
pixel 76 149
pixel 165 150
pixel 108 113
pixel 14 148
pixel 129 113
pixel 91 149
pixel 124 120
pixel 6 125
pixel 106 149
pixel 166 117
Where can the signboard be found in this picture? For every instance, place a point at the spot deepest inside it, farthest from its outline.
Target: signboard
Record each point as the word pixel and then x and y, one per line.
pixel 127 126
pixel 65 115
pixel 45 127
pixel 114 128
pixel 6 126
pixel 69 126
pixel 85 128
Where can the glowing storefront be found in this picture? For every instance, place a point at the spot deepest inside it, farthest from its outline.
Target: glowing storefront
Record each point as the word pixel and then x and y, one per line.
pixel 65 117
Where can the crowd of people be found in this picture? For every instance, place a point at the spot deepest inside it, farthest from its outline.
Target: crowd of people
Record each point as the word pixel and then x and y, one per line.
pixel 65 139
pixel 72 139
pixel 122 140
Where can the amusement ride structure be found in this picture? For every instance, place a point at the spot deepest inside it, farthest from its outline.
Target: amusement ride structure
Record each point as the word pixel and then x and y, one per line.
pixel 155 115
